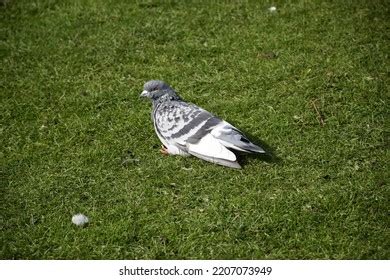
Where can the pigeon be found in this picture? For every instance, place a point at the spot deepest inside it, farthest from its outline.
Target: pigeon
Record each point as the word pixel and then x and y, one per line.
pixel 186 129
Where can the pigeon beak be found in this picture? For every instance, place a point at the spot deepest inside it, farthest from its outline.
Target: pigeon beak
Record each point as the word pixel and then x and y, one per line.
pixel 145 93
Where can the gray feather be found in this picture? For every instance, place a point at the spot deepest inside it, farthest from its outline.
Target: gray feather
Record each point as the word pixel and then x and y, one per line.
pixel 239 141
pixel 210 124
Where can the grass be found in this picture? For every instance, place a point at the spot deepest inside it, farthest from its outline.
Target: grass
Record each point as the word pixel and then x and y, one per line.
pixel 310 80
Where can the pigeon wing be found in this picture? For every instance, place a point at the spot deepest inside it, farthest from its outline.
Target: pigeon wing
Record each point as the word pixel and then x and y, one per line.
pixel 189 126
pixel 231 137
pixel 182 122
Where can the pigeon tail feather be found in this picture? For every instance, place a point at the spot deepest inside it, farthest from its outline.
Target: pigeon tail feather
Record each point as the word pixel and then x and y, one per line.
pixel 232 138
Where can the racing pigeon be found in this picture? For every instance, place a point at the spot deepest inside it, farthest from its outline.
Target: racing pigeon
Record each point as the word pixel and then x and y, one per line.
pixel 186 129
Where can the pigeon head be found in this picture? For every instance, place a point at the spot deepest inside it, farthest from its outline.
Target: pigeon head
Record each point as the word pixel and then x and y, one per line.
pixel 156 90
pixel 153 86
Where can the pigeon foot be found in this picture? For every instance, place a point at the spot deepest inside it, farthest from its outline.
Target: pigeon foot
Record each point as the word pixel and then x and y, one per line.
pixel 164 150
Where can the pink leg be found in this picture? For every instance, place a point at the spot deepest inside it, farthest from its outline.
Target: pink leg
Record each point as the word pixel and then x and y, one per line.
pixel 164 150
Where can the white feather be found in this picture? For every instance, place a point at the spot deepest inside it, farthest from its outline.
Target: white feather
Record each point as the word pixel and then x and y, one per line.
pixel 174 150
pixel 80 219
pixel 222 128
pixel 210 147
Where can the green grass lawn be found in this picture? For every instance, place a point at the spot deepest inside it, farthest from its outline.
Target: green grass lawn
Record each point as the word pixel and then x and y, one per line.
pixel 310 80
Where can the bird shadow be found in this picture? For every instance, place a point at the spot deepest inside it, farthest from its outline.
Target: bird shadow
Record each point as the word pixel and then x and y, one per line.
pixel 270 155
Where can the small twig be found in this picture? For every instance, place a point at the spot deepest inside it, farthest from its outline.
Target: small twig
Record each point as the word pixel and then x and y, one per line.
pixel 320 116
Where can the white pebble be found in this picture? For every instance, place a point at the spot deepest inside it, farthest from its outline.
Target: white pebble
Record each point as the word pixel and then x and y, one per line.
pixel 272 9
pixel 80 219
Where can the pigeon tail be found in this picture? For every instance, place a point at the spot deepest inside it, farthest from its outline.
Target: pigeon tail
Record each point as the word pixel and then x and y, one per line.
pixel 232 138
